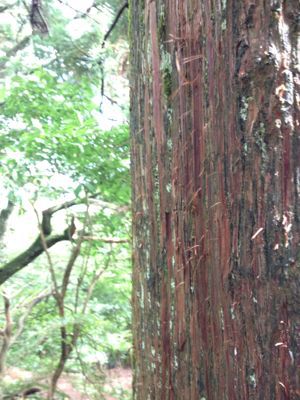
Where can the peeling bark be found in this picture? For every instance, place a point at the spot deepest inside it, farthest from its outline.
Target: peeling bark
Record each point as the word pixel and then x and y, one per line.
pixel 216 172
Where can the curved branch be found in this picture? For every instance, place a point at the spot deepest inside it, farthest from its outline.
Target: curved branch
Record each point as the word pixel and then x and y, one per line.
pixel 44 240
pixel 19 46
pixel 114 23
pixel 7 7
pixel 105 239
pixel 30 254
pixel 14 50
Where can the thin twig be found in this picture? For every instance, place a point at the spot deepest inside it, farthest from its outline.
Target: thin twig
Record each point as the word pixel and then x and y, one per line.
pixel 93 284
pixel 106 36
pixel 26 314
pixel 105 240
pixel 84 14
pixel 80 280
pixel 44 243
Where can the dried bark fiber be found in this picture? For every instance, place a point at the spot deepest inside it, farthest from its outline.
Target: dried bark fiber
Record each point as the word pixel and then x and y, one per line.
pixel 216 182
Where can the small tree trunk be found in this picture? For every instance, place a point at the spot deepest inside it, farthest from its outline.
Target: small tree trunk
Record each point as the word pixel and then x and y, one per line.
pixel 4 216
pixel 6 336
pixel 57 374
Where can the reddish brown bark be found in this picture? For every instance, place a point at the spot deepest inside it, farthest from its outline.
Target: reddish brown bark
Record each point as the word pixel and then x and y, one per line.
pixel 215 168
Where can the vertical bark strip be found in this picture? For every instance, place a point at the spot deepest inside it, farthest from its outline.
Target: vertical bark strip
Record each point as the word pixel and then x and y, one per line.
pixel 216 182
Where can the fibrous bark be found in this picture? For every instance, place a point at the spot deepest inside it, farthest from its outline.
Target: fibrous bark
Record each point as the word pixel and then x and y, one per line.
pixel 216 173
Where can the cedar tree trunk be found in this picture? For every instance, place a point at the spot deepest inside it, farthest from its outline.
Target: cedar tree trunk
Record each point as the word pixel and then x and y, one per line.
pixel 216 182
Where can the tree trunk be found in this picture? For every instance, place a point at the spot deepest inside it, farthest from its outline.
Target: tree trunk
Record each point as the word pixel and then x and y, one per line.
pixel 56 375
pixel 4 216
pixel 6 336
pixel 216 182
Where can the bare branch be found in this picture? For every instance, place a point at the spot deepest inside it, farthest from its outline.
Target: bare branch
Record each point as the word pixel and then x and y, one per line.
pixel 7 7
pixel 44 240
pixel 95 279
pixel 19 46
pixel 26 314
pixel 81 278
pixel 13 51
pixel 110 206
pixel 80 13
pixel 74 255
pixel 105 240
pixel 30 254
pixel 67 346
pixel 92 287
pixel 106 36
pixel 44 243
pixel 114 23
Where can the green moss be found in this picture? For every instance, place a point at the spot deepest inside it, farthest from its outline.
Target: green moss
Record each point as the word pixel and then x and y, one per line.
pixel 244 105
pixel 170 115
pixel 162 28
pixel 129 17
pixel 259 136
pixel 166 71
pixel 167 83
pixel 223 11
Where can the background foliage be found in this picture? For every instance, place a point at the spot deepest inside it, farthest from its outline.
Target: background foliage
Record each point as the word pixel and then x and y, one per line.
pixel 61 138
